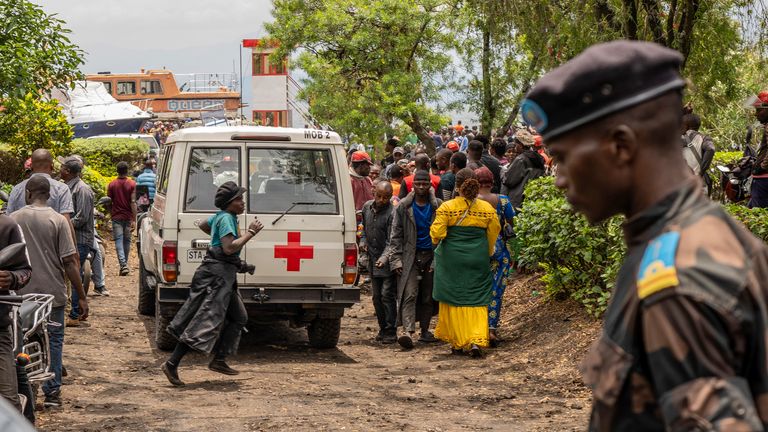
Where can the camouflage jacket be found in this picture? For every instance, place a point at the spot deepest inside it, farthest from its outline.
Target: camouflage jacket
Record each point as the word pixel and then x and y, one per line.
pixel 684 342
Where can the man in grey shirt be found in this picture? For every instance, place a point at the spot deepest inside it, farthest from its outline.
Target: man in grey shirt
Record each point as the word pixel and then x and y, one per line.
pixel 61 198
pixel 82 219
pixel 52 254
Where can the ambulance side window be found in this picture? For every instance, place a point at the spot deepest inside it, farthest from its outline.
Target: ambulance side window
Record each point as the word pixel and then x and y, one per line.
pixel 278 178
pixel 208 169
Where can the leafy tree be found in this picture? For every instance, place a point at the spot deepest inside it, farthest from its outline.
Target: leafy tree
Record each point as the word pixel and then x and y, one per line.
pixel 35 51
pixel 369 62
pixel 30 123
pixel 720 41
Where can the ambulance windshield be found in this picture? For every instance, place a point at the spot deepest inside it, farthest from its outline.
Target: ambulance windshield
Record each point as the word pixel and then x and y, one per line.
pixel 277 178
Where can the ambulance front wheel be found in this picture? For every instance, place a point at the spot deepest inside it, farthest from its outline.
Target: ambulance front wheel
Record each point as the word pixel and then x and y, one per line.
pixel 324 332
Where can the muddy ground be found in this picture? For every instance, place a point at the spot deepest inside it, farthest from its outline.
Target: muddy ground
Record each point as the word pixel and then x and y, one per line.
pixel 530 383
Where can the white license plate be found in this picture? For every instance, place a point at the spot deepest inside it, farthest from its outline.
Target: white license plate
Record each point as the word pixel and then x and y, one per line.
pixel 195 255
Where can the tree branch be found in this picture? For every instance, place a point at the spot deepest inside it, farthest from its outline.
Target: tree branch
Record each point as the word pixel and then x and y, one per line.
pixel 530 74
pixel 653 9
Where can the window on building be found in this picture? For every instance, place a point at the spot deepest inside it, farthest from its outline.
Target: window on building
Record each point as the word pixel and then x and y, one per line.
pixel 258 64
pixel 126 87
pixel 277 68
pixel 151 87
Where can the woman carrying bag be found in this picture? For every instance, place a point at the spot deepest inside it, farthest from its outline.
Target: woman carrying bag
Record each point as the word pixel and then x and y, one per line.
pixel 465 230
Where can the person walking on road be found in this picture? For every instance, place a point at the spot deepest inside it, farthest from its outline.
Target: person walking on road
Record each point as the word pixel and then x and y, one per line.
pixel 465 231
pixel 377 224
pixel 411 259
pixel 122 191
pixel 82 220
pixel 147 179
pixel 52 255
pixel 362 186
pixel 214 314
pixel 685 335
pixel 501 260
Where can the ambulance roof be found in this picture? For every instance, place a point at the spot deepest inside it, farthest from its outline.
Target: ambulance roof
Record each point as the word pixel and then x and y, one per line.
pixel 254 133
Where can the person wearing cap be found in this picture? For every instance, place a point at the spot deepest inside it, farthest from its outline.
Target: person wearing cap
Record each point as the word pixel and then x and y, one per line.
pixel 390 147
pixel 214 315
pixel 122 192
pixel 411 259
pixel 453 146
pixel 82 220
pixel 759 192
pixel 684 338
pixel 527 166
pixel 397 154
pixel 362 186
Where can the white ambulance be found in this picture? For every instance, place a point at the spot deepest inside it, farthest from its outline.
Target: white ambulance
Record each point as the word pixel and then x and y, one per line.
pixel 298 186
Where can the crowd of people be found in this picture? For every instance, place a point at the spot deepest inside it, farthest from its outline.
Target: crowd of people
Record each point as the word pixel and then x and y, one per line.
pixel 54 213
pixel 436 234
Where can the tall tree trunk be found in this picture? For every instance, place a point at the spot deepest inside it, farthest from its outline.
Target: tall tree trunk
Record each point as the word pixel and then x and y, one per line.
pixel 630 20
pixel 653 9
pixel 686 28
pixel 414 122
pixel 529 76
pixel 489 104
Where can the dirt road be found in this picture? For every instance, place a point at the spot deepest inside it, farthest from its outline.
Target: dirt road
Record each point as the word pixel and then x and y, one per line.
pixel 529 384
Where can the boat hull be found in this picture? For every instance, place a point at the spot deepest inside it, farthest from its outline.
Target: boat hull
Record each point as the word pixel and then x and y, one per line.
pixel 105 127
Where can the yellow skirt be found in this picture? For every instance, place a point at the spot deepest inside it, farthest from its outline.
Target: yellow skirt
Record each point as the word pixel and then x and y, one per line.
pixel 463 326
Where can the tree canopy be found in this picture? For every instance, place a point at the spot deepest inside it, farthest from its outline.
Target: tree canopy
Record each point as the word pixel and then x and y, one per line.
pixel 370 63
pixel 35 51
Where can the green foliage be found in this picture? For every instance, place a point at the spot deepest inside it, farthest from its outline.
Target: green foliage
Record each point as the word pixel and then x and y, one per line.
pixel 97 181
pixel 35 51
pixel 11 165
pixel 29 123
pixel 579 260
pixel 756 220
pixel 103 154
pixel 368 62
pixel 721 158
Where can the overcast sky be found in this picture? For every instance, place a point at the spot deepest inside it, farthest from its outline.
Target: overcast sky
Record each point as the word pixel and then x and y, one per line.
pixel 185 36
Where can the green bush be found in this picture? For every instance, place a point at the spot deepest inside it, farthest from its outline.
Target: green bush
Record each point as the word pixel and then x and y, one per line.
pixel 30 123
pixel 756 220
pixel 11 165
pixel 103 154
pixel 579 260
pixel 96 181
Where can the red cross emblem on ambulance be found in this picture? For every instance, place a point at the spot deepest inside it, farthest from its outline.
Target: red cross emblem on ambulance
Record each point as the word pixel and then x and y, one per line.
pixel 294 252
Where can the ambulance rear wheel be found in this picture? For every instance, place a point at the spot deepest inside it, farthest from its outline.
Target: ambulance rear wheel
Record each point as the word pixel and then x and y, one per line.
pixel 324 332
pixel 163 339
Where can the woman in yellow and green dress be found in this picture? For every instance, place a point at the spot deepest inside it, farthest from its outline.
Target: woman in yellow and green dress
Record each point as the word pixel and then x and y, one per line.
pixel 465 230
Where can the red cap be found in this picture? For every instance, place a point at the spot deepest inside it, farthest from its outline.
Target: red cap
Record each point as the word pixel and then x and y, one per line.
pixel 537 140
pixel 361 156
pixel 452 146
pixel 762 100
pixel 28 164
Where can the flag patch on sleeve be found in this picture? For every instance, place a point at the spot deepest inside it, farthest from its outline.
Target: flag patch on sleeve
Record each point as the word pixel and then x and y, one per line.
pixel 657 269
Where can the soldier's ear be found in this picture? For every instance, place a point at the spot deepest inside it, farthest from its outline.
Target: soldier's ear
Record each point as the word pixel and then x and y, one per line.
pixel 622 144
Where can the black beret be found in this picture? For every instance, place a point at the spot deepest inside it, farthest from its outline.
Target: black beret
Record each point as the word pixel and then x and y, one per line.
pixel 602 80
pixel 227 193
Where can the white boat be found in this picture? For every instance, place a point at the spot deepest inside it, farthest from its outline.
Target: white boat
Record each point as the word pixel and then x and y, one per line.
pixel 91 110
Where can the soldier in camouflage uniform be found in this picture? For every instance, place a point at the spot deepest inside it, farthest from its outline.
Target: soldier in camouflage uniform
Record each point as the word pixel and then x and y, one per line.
pixel 684 342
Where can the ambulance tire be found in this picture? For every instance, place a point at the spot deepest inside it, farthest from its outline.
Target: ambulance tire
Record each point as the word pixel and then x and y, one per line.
pixel 324 332
pixel 146 301
pixel 163 339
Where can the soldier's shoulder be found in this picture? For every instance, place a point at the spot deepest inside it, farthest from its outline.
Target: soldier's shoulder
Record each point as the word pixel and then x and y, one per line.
pixel 704 257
